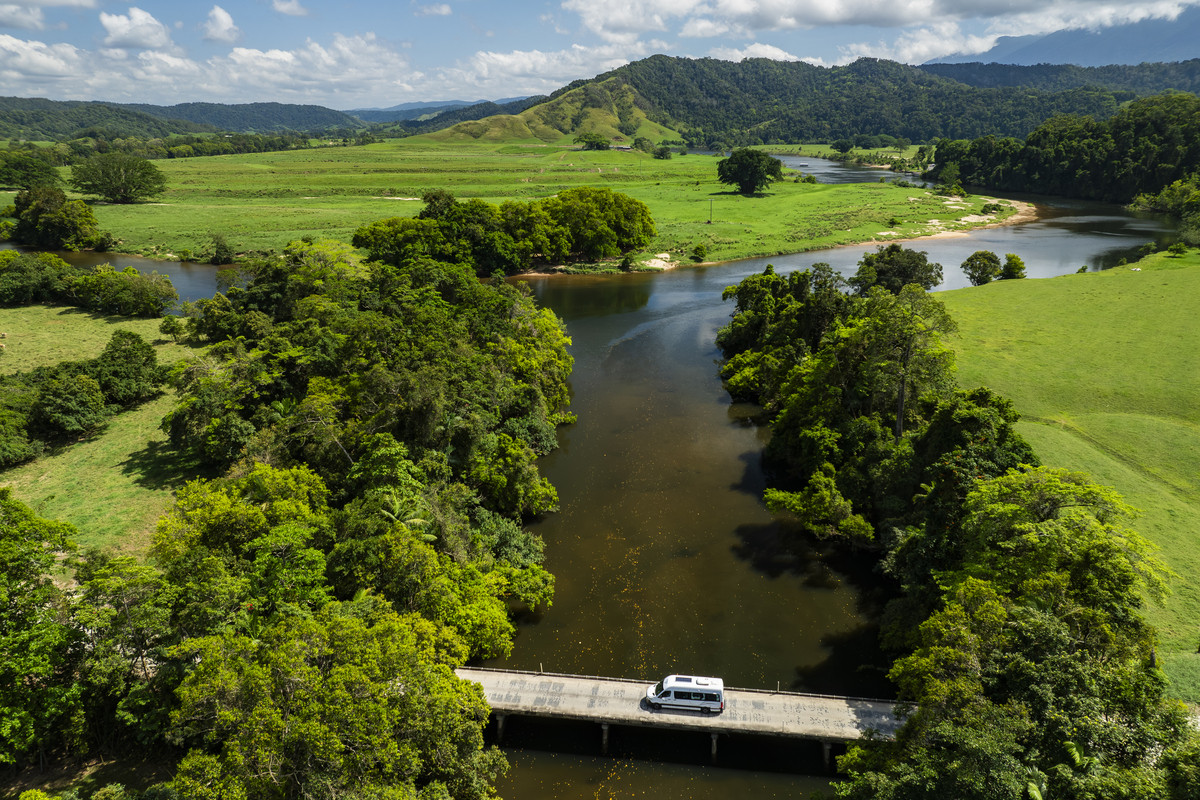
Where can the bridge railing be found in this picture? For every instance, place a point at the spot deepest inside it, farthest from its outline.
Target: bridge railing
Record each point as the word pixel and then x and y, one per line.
pixel 649 682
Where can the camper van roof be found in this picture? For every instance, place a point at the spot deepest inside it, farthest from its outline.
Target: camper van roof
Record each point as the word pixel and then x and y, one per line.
pixel 693 680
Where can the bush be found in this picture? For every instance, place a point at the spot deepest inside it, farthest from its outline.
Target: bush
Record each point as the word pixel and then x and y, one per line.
pixel 222 253
pixel 699 253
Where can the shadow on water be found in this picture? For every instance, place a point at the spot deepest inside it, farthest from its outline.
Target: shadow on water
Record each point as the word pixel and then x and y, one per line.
pixel 658 745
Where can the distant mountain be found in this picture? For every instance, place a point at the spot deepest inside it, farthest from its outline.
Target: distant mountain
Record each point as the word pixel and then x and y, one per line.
pixel 712 103
pixel 253 117
pixel 1151 40
pixel 421 110
pixel 37 118
pixel 763 101
pixel 454 116
pixel 1141 79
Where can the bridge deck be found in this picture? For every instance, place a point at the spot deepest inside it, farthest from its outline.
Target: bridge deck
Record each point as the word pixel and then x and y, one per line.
pixel 622 702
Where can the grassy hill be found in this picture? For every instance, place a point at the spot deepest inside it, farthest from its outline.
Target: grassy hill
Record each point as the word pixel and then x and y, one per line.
pixel 611 108
pixel 1105 370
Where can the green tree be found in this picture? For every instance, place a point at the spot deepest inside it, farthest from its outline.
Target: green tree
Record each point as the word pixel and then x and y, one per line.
pixel 893 267
pixel 1013 267
pixel 46 218
pixel 592 141
pixel 21 171
pixel 40 702
pixel 68 405
pixel 750 170
pixel 843 146
pixel 118 177
pixel 127 370
pixel 350 703
pixel 662 152
pixel 982 266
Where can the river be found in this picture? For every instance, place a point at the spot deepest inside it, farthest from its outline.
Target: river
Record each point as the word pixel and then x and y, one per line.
pixel 664 556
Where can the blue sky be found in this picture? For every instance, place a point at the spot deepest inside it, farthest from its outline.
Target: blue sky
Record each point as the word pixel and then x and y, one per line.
pixel 368 53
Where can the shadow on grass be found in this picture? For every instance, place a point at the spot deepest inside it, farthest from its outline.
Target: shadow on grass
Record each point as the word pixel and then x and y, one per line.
pixel 158 465
pixel 89 775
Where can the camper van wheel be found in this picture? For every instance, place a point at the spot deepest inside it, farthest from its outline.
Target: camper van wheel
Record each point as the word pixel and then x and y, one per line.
pixel 656 706
pixel 706 710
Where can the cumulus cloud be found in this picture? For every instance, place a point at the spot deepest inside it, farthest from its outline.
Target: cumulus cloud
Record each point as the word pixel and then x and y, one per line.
pixel 922 44
pixel 435 10
pixel 756 50
pixel 139 30
pixel 626 20
pixel 23 17
pixel 220 27
pixel 351 70
pixel 290 7
pixel 537 71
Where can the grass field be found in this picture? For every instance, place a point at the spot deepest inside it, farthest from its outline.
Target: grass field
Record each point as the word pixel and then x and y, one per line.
pixel 1105 370
pixel 261 202
pixel 114 485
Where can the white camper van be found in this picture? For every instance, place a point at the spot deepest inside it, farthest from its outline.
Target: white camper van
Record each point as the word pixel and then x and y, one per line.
pixel 688 691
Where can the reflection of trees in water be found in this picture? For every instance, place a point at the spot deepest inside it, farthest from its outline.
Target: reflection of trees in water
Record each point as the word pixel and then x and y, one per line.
pixel 574 297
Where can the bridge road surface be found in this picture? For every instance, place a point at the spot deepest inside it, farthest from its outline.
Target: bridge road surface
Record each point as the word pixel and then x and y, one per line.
pixel 623 702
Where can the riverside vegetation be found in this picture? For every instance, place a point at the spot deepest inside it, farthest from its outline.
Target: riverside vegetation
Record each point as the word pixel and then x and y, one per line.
pixel 376 427
pixel 1018 628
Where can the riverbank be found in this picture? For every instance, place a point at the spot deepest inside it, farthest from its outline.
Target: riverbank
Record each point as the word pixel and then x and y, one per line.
pixel 1061 350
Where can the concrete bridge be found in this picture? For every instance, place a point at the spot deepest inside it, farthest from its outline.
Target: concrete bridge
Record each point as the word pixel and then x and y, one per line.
pixel 613 701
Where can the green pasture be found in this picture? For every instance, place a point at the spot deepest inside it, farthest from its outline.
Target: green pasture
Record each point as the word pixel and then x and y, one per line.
pixel 1105 370
pixel 114 485
pixel 262 201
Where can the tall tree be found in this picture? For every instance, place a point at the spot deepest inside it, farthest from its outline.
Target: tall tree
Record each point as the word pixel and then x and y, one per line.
pixel 118 177
pixel 893 267
pixel 750 170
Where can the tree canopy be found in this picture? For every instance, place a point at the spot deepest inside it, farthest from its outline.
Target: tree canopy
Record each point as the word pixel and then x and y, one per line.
pixel 118 177
pixel 1020 653
pixel 749 170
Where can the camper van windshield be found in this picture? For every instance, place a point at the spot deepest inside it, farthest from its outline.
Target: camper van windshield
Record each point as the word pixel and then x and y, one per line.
pixel 658 687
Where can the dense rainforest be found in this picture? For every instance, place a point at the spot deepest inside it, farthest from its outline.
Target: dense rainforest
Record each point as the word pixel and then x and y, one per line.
pixel 1148 154
pixel 1019 651
pixel 294 630
pixel 1143 79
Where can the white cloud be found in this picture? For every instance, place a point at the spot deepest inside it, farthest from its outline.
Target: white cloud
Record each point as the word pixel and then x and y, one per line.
pixel 756 50
pixel 13 16
pixel 535 71
pixel 435 10
pixel 921 45
pixel 626 20
pixel 220 27
pixel 352 70
pixel 290 7
pixel 22 60
pixel 139 30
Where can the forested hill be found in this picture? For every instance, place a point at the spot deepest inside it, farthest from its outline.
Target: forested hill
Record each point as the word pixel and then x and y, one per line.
pixel 1142 79
pixel 775 101
pixel 35 118
pixel 255 117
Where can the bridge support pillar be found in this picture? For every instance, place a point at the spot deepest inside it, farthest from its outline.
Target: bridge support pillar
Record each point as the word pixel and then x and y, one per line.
pixel 714 748
pixel 500 727
pixel 827 752
pixel 604 738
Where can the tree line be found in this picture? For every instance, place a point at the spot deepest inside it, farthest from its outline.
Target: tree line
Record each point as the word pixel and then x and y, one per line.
pixel 1023 664
pixel 580 224
pixel 1146 146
